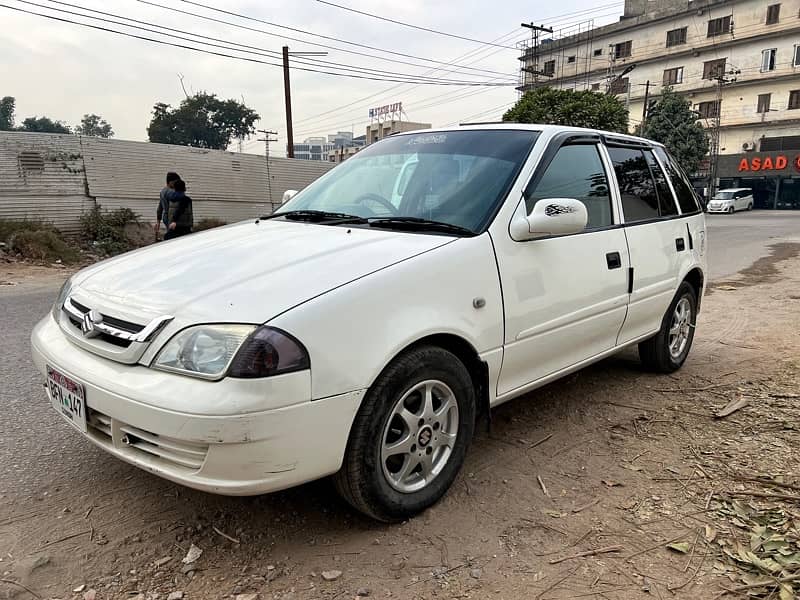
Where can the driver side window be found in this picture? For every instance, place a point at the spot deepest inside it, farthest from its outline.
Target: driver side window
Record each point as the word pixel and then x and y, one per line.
pixel 576 171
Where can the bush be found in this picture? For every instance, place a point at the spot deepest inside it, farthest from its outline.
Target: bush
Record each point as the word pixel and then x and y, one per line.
pixel 42 244
pixel 9 228
pixel 208 223
pixel 105 231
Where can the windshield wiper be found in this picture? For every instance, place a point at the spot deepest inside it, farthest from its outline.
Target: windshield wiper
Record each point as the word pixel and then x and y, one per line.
pixel 418 224
pixel 317 216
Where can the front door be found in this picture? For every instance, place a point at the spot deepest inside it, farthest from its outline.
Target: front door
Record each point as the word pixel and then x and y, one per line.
pixel 565 297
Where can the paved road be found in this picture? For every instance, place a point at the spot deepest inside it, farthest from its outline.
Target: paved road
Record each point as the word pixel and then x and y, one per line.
pixel 33 442
pixel 737 241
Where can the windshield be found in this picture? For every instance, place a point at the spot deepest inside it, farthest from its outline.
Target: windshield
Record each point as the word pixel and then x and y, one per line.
pixel 724 196
pixel 455 177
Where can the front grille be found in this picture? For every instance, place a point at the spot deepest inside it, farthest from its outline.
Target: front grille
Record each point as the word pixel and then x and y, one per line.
pixel 150 446
pixel 113 321
pixel 109 339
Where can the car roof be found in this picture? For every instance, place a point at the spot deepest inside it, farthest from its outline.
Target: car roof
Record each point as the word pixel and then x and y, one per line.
pixel 547 130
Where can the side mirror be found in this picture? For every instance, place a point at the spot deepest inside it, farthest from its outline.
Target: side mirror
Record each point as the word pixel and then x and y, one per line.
pixel 552 216
pixel 288 195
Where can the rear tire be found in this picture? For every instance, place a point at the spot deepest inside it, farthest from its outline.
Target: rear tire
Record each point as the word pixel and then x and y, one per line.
pixel 410 436
pixel 666 351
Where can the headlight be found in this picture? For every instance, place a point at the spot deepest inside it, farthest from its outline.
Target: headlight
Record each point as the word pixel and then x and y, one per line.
pixel 63 293
pixel 203 351
pixel 269 351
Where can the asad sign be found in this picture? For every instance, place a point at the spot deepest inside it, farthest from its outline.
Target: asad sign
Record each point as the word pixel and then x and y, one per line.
pixel 778 162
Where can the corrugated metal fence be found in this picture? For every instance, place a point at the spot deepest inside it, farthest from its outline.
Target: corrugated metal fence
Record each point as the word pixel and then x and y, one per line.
pixel 56 178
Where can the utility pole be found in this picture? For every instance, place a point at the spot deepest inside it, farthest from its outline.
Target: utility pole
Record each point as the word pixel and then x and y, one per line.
pixel 287 94
pixel 646 101
pixel 533 69
pixel 724 78
pixel 267 140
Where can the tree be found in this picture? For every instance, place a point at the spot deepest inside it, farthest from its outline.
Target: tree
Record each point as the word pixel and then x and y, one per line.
pixel 44 125
pixel 95 126
pixel 202 120
pixel 553 106
pixel 672 122
pixel 7 105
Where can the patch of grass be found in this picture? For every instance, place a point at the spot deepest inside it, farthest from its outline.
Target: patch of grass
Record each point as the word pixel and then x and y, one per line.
pixel 10 227
pixel 208 223
pixel 105 230
pixel 43 244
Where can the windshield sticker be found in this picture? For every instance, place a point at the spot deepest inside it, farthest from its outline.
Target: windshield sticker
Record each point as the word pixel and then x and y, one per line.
pixel 438 138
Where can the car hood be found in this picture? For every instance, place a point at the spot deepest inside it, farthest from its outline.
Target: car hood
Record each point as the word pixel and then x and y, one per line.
pixel 248 272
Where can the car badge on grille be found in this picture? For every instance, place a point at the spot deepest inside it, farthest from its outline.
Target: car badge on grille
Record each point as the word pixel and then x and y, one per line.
pixel 89 324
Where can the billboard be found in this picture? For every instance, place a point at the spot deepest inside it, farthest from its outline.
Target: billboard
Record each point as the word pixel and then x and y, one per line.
pixel 385 110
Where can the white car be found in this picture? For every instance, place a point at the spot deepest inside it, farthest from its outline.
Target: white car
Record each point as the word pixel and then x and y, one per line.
pixel 731 200
pixel 326 340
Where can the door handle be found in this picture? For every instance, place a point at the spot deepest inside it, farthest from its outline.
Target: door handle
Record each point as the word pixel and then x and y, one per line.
pixel 614 260
pixel 680 244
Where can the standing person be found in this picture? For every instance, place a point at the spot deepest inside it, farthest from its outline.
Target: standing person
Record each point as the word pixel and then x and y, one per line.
pixel 163 204
pixel 180 215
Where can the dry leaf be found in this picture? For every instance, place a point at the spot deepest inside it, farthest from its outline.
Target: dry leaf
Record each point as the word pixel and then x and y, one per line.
pixel 192 555
pixel 682 547
pixel 711 533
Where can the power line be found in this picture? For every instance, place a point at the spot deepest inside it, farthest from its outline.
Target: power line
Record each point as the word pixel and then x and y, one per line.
pixel 247 49
pixel 396 22
pixel 248 59
pixel 286 37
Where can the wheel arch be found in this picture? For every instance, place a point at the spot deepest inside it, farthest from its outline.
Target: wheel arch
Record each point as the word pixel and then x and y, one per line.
pixel 696 278
pixel 466 353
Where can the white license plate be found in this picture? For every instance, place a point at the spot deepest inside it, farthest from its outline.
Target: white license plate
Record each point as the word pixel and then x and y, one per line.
pixel 68 397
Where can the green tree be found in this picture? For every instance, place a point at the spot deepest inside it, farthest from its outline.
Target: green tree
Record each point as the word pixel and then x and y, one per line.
pixel 202 120
pixel 44 125
pixel 552 106
pixel 672 122
pixel 7 105
pixel 95 126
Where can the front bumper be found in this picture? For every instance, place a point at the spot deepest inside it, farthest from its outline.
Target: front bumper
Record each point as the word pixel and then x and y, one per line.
pixel 232 437
pixel 720 209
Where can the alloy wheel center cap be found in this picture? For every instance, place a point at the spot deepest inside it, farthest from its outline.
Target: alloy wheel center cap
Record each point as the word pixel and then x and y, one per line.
pixel 425 436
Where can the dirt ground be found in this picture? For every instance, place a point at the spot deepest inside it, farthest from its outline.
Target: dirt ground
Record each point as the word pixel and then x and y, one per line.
pixel 576 492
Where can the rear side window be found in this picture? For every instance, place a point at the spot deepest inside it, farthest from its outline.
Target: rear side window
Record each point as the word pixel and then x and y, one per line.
pixel 687 199
pixel 576 171
pixel 636 186
pixel 666 203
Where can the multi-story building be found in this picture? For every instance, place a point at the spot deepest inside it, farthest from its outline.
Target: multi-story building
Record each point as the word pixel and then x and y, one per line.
pixel 313 148
pixel 738 62
pixel 381 129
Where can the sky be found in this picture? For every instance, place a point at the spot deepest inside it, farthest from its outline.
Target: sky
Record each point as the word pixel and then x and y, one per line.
pixel 63 71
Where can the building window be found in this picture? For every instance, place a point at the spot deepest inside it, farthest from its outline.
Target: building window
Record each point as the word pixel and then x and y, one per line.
pixel 714 68
pixel 620 86
pixel 794 99
pixel 550 67
pixel 773 13
pixel 768 59
pixel 571 59
pixel 598 52
pixel 763 102
pixel 622 50
pixel 673 76
pixel 796 62
pixel 676 37
pixel 595 87
pixel 708 110
pixel 719 26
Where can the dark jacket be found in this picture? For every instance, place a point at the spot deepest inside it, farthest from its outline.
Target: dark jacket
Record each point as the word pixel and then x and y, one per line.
pixel 180 209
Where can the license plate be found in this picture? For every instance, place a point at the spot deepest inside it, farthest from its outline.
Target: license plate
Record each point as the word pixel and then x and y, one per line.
pixel 68 397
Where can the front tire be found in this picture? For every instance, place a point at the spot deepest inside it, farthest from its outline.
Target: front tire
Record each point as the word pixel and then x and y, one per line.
pixel 731 210
pixel 666 351
pixel 750 206
pixel 410 436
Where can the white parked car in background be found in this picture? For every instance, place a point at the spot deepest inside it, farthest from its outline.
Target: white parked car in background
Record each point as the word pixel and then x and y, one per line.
pixel 731 200
pixel 353 336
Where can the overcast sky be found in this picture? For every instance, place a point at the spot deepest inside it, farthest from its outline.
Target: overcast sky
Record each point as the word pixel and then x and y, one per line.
pixel 63 70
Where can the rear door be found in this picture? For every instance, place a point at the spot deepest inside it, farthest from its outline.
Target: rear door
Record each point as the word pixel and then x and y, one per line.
pixel 656 236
